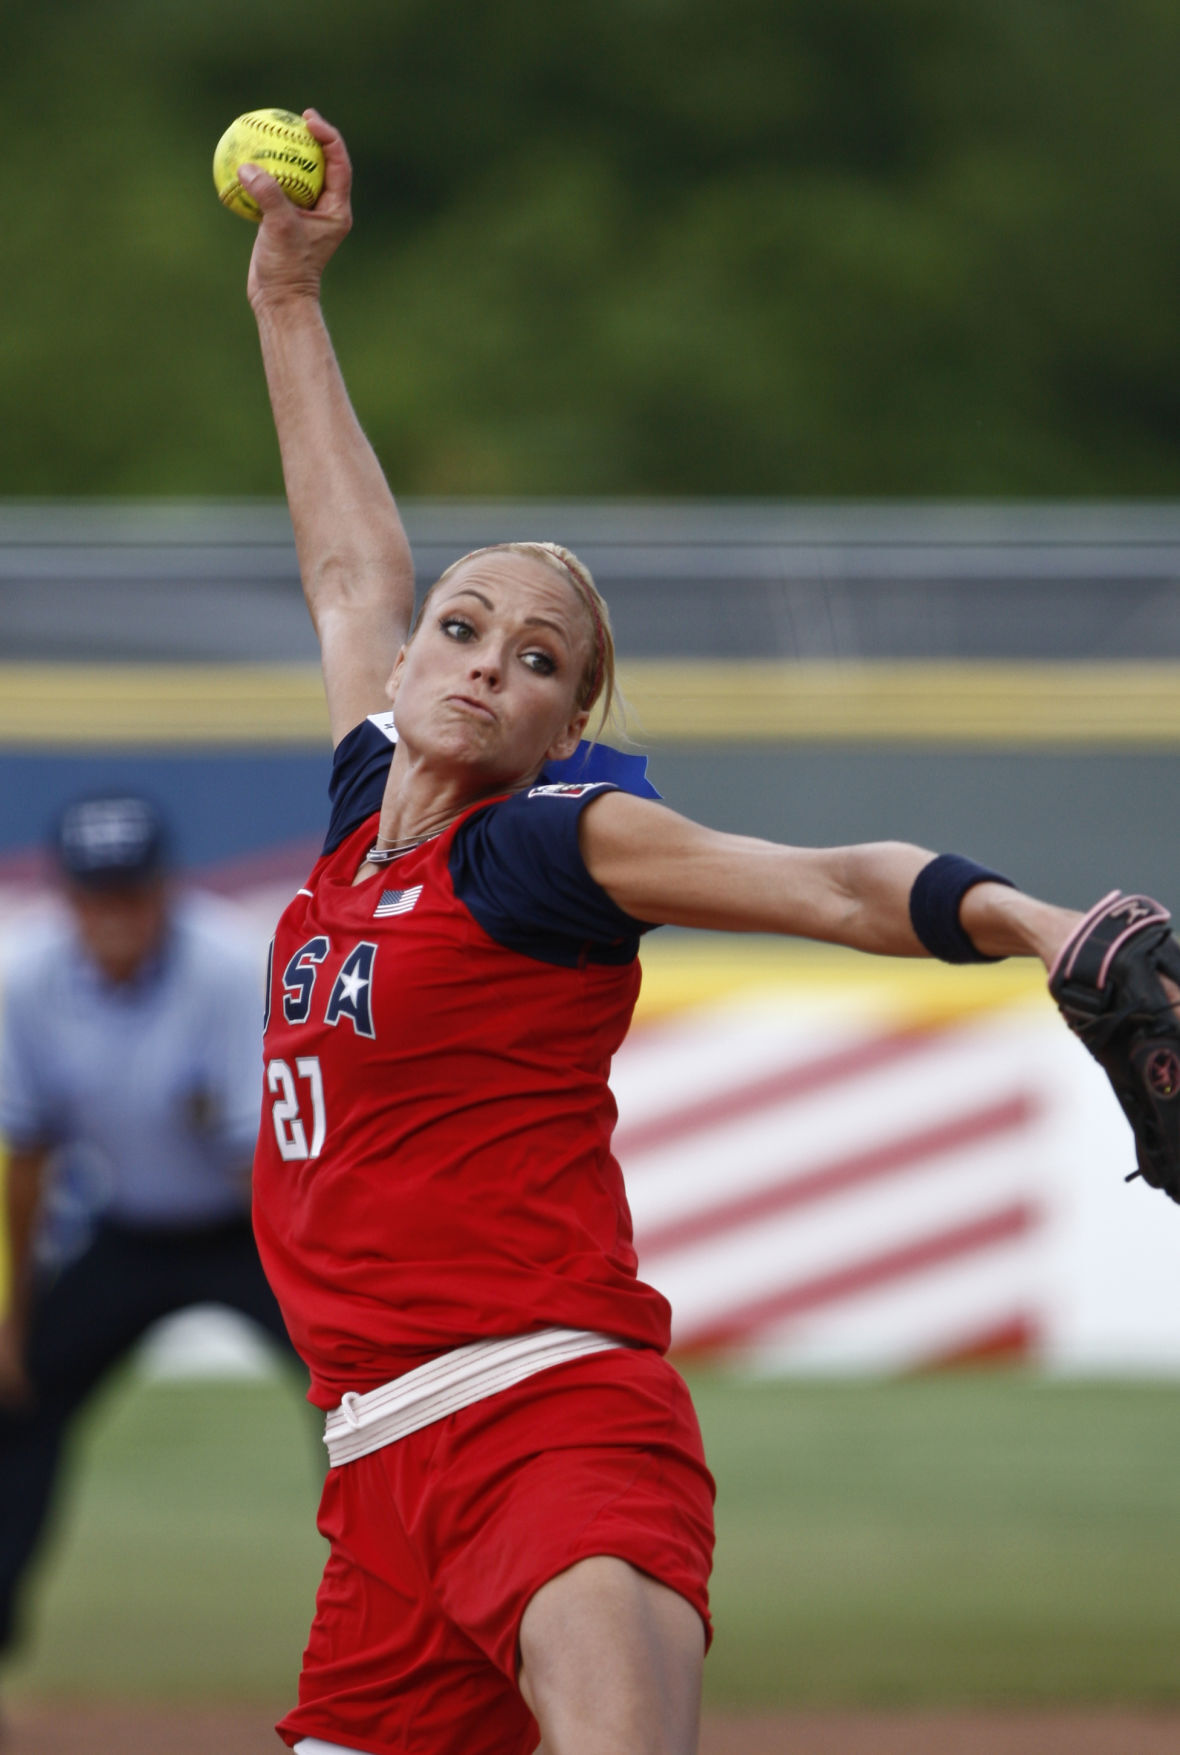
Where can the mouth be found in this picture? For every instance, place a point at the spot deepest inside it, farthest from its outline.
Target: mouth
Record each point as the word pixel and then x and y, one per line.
pixel 471 705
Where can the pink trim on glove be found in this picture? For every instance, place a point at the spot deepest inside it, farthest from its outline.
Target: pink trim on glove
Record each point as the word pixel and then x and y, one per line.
pixel 1075 942
pixel 1160 917
pixel 1144 912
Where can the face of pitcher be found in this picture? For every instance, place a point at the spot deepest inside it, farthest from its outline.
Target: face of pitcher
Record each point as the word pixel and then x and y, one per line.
pixel 493 677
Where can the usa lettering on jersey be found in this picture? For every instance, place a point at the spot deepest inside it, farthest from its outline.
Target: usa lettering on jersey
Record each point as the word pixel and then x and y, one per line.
pixel 352 991
pixel 351 996
pixel 299 979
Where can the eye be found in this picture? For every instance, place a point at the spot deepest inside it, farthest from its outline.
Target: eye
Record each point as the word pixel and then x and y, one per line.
pixel 456 627
pixel 541 662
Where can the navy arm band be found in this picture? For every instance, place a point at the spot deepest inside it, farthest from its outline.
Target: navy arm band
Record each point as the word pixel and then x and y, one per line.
pixel 935 899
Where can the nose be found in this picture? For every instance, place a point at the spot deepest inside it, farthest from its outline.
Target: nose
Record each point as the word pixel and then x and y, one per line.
pixel 486 668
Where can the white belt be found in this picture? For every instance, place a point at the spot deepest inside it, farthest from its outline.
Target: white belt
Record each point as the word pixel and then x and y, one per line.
pixel 468 1374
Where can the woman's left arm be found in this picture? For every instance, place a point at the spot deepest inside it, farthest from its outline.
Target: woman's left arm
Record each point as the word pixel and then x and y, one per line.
pixel 666 869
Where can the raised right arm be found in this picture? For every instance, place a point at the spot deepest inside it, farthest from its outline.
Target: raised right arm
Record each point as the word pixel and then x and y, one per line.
pixel 354 559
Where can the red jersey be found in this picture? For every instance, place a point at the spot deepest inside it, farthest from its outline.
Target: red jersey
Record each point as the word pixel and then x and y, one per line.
pixel 434 1162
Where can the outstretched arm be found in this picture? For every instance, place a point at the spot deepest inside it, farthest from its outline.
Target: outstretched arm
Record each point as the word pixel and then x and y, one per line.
pixel 664 868
pixel 354 558
pixel 1114 972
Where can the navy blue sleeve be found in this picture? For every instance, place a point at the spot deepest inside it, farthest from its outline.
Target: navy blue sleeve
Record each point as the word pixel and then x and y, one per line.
pixel 360 768
pixel 518 868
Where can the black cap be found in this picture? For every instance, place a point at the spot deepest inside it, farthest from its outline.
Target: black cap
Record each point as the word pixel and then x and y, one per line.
pixel 111 841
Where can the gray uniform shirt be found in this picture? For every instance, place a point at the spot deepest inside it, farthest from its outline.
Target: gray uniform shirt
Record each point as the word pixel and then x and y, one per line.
pixel 151 1089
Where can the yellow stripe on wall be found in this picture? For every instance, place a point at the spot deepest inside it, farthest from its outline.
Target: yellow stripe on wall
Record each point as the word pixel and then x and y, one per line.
pixel 685 973
pixel 161 704
pixel 971 704
pixel 936 702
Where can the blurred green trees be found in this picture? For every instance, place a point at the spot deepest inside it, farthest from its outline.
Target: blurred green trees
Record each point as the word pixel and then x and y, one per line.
pixel 613 246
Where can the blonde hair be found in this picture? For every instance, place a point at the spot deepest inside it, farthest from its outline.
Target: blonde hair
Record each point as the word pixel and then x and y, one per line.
pixel 597 683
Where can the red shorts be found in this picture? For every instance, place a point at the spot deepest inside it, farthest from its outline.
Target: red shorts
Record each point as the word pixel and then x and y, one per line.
pixel 439 1541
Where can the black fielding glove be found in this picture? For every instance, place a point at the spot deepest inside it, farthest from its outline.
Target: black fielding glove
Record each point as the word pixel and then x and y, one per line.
pixel 1109 984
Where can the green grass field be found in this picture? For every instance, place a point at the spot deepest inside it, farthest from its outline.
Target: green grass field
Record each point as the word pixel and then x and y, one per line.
pixel 984 1539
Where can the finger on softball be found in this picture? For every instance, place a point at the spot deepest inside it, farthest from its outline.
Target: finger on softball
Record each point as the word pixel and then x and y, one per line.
pixel 261 186
pixel 321 127
pixel 337 165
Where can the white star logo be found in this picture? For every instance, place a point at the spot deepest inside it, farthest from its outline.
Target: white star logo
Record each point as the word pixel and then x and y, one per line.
pixel 350 987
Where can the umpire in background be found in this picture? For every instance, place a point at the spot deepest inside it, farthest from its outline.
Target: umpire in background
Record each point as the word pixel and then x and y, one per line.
pixel 129 1103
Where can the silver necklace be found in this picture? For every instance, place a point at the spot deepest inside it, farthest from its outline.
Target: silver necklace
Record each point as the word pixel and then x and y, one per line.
pixel 378 855
pixel 382 855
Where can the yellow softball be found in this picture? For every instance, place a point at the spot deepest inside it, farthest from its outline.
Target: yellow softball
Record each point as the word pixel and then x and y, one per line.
pixel 279 141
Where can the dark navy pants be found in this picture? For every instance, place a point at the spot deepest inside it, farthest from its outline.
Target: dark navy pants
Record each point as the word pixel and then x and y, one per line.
pixel 84 1320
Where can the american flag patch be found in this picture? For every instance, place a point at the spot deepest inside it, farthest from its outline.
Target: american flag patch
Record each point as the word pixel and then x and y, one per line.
pixel 396 902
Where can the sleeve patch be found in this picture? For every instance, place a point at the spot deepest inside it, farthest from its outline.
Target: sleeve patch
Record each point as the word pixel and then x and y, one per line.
pixel 385 725
pixel 567 790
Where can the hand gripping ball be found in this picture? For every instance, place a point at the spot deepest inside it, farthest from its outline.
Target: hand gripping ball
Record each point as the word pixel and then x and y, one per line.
pixel 279 141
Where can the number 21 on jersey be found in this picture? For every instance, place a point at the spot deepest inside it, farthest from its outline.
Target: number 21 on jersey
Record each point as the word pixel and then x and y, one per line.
pixel 293 1109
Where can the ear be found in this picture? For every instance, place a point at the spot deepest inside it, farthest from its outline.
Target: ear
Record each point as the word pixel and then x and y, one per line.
pixel 394 678
pixel 567 741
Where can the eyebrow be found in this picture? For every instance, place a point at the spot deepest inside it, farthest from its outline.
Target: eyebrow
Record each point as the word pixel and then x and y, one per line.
pixel 542 621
